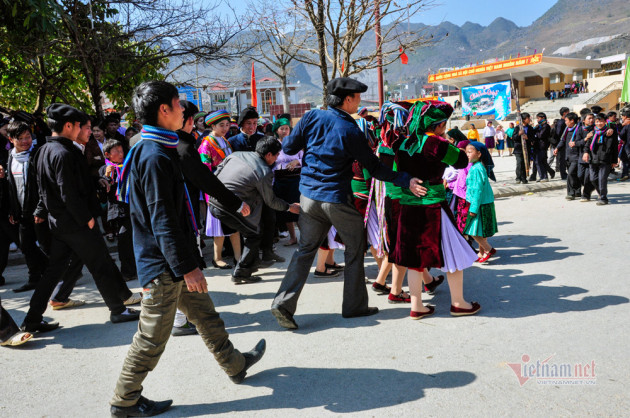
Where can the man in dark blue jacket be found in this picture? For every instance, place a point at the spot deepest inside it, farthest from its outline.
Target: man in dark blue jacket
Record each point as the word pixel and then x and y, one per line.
pixel 248 137
pixel 164 243
pixel 332 140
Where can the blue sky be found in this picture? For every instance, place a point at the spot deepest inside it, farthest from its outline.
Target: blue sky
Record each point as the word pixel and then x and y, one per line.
pixel 476 11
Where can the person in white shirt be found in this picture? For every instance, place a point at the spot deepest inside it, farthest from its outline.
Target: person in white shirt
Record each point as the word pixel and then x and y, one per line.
pixel 489 133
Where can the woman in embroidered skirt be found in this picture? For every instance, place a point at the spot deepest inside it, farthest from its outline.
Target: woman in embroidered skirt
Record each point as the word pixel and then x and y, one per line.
pixel 393 132
pixel 427 236
pixel 213 150
pixel 482 221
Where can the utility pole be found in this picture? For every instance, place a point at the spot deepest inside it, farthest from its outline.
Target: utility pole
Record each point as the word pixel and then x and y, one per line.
pixel 379 55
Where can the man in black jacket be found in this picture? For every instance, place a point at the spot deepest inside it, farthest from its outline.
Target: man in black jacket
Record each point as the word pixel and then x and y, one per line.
pixel 69 199
pixel 525 132
pixel 624 139
pixel 600 151
pixel 585 128
pixel 556 136
pixel 164 244
pixel 23 200
pixel 199 178
pixel 540 145
pixel 568 151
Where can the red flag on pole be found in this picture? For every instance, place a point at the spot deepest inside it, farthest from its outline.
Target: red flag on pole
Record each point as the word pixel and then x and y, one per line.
pixel 254 95
pixel 342 66
pixel 404 59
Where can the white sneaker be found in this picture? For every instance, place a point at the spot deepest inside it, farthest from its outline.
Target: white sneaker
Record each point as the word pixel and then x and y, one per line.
pixel 13 247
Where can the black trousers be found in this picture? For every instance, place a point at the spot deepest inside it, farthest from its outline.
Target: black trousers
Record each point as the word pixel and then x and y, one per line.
pixel 89 246
pixel 251 244
pixel 315 220
pixel 36 260
pixel 584 176
pixel 561 164
pixel 520 168
pixel 540 165
pixel 68 280
pixel 8 327
pixel 8 234
pixel 574 184
pixel 125 248
pixel 598 174
pixel 268 229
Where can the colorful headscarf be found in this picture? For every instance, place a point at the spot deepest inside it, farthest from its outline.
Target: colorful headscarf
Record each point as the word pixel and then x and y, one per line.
pixel 216 117
pixel 365 128
pixel 425 114
pixel 463 144
pixel 199 115
pixel 362 110
pixel 394 113
pixel 280 122
pixel 486 158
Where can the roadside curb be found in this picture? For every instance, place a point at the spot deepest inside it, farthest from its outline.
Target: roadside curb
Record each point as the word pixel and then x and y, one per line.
pixel 519 189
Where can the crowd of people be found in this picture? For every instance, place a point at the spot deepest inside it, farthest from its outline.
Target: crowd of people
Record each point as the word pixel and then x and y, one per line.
pixel 583 148
pixel 586 149
pixel 418 197
pixel 574 87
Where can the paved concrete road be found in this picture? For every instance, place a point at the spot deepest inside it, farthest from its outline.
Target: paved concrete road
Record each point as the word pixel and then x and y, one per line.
pixel 558 291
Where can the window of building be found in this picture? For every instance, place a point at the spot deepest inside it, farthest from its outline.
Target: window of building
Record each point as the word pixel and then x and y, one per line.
pixel 195 95
pixel 533 81
pixel 578 76
pixel 268 99
pixel 555 78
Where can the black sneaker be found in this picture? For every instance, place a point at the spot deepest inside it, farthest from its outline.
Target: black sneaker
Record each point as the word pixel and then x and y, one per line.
pixel 143 408
pixel 284 318
pixel 251 358
pixel 127 315
pixel 245 280
pixel 272 256
pixel 25 287
pixel 602 202
pixel 187 329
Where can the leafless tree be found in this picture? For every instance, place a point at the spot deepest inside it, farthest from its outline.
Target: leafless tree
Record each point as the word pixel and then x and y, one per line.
pixel 340 26
pixel 115 41
pixel 279 39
